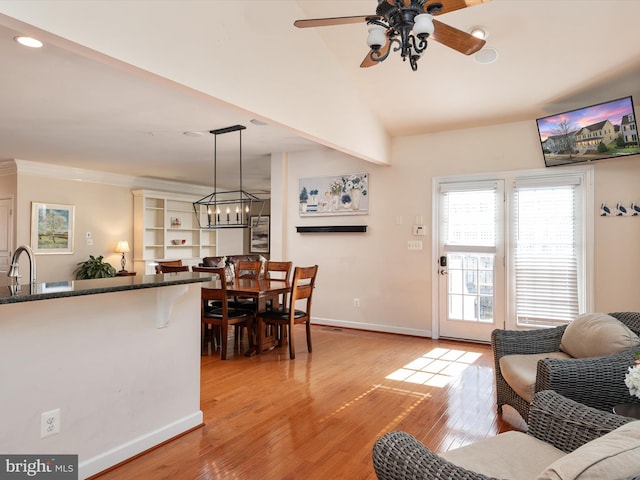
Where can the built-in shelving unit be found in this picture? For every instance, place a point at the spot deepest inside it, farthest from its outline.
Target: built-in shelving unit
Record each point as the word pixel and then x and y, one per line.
pixel 165 227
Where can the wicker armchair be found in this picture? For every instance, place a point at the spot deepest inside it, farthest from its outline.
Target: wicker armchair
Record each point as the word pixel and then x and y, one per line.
pixel 554 419
pixel 597 381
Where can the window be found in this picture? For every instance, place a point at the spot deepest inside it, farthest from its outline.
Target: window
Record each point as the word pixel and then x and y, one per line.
pixel 547 250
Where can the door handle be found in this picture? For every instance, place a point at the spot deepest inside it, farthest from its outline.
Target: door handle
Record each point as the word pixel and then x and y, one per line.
pixel 443 272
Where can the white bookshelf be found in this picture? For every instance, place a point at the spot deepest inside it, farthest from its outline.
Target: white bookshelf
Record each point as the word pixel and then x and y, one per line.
pixel 161 221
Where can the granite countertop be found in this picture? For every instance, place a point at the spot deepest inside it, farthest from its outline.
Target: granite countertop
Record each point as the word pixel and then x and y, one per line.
pixel 27 292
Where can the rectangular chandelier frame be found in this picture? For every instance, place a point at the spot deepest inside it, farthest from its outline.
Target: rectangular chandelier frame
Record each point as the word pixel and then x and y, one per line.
pixel 232 208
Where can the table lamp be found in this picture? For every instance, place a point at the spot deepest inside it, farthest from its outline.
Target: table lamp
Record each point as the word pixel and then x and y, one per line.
pixel 123 247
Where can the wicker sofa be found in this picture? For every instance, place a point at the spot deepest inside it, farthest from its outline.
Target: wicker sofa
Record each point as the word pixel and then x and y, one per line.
pixel 565 440
pixel 596 381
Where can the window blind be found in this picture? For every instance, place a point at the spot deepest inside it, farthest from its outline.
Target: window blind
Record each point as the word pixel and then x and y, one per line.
pixel 546 253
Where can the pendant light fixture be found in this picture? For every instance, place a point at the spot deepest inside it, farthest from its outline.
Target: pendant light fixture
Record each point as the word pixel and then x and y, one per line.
pixel 231 208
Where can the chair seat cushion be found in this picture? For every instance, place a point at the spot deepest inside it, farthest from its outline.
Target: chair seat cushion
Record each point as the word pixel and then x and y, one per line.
pixel 232 313
pixel 282 314
pixel 613 456
pixel 597 334
pixel 520 371
pixel 527 456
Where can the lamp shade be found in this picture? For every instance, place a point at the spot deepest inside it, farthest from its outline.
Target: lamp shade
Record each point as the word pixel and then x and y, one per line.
pixel 376 37
pixel 423 24
pixel 123 247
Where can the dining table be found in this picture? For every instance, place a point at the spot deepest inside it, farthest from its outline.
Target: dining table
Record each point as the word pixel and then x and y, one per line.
pixel 260 290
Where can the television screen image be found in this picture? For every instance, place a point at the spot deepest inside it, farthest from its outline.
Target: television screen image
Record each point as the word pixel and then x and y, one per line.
pixel 604 130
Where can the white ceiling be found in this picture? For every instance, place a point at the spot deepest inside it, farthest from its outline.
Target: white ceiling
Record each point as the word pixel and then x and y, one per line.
pixel 554 55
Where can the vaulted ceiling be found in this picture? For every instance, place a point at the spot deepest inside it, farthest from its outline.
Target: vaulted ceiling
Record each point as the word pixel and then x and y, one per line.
pixel 64 107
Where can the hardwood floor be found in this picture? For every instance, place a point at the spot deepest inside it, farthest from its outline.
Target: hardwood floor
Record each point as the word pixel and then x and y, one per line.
pixel 317 417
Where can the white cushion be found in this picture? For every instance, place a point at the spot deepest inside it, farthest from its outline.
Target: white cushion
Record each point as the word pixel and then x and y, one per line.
pixel 597 334
pixel 512 455
pixel 613 456
pixel 520 371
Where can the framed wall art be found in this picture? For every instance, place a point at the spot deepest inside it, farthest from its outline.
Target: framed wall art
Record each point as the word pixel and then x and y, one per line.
pixel 336 195
pixel 52 228
pixel 260 235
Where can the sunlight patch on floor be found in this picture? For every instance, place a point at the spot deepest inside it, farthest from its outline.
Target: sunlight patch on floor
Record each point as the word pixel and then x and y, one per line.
pixel 436 368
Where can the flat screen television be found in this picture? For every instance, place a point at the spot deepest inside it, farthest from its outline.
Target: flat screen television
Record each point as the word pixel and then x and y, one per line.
pixel 604 130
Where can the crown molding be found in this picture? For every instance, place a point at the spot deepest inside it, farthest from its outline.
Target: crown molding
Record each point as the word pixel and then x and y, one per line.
pixel 26 167
pixel 8 167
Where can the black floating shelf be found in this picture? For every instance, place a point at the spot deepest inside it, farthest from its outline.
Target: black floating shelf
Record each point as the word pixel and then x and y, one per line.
pixel 333 229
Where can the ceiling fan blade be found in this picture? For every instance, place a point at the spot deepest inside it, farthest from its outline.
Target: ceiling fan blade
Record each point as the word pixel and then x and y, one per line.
pixel 323 22
pixel 451 5
pixel 461 41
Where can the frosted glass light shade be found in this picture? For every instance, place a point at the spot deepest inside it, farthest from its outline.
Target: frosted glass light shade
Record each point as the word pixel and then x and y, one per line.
pixel 423 23
pixel 376 37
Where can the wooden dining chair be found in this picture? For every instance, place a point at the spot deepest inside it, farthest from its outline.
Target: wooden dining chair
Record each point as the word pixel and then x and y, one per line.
pixel 304 279
pixel 222 317
pixel 174 263
pixel 172 268
pixel 277 270
pixel 246 270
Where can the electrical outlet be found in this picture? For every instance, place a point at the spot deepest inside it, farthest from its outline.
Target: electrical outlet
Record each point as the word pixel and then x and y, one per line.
pixel 50 423
pixel 356 302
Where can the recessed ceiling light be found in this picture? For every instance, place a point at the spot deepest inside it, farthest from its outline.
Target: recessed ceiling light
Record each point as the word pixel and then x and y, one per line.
pixel 29 42
pixel 480 32
pixel 255 121
pixel 193 134
pixel 486 56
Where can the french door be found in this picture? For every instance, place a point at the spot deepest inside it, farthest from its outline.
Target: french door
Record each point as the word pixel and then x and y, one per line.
pixel 470 259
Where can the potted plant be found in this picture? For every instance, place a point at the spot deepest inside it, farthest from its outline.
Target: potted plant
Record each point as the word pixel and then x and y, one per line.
pixel 95 267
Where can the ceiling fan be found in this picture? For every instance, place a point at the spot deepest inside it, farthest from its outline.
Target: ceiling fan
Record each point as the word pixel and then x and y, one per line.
pixel 405 25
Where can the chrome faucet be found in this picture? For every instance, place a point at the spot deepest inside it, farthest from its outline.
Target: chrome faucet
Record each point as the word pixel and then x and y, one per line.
pixel 13 271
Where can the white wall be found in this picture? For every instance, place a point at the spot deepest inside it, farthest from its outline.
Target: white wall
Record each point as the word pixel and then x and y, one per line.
pixel 394 284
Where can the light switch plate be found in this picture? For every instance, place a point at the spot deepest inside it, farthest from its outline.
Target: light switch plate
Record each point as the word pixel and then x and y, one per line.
pixel 414 244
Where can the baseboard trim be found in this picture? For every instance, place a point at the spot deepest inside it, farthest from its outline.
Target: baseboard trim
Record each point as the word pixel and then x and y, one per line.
pixel 373 327
pixel 95 466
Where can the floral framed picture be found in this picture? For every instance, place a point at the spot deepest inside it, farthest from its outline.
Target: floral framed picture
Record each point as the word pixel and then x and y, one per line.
pixel 52 228
pixel 259 234
pixel 346 194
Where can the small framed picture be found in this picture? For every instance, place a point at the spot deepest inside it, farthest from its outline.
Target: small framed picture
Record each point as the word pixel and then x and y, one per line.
pixel 52 228
pixel 260 234
pixel 176 222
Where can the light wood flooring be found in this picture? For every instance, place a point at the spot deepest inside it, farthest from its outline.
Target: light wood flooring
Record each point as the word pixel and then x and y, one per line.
pixel 317 417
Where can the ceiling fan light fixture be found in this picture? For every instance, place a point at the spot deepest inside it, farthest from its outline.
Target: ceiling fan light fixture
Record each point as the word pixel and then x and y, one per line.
pixel 423 24
pixel 377 37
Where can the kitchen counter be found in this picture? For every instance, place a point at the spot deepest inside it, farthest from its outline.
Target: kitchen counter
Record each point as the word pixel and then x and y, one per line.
pixel 118 358
pixel 27 292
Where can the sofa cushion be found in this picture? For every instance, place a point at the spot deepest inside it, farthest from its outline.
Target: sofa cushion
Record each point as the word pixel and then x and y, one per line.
pixel 597 334
pixel 520 371
pixel 526 459
pixel 615 455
